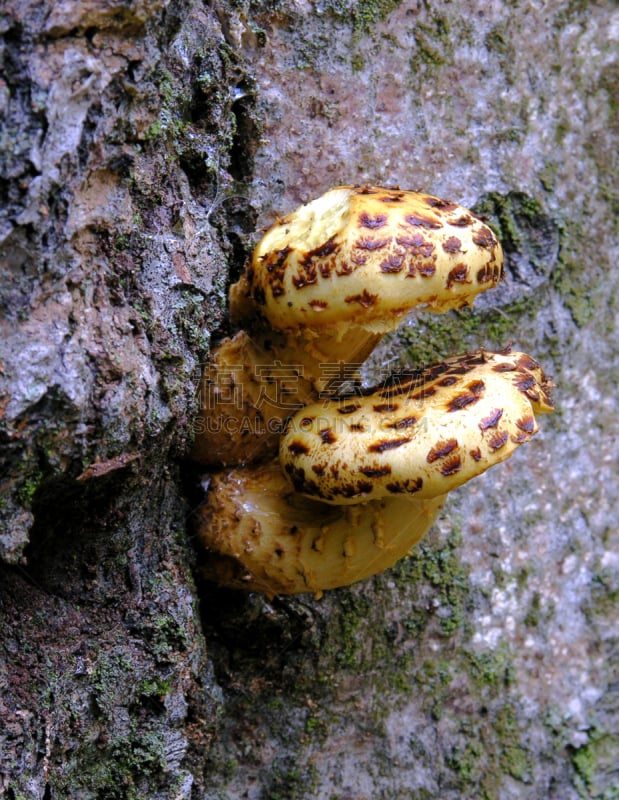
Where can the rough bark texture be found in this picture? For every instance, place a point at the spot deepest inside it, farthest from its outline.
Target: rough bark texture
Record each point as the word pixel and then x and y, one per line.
pixel 142 145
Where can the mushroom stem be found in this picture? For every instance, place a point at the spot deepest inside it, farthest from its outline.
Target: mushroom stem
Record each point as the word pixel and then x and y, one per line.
pixel 245 396
pixel 262 536
pixel 254 383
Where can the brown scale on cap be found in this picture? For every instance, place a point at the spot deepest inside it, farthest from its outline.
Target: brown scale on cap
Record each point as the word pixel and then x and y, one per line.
pixel 441 449
pixel 462 222
pixel 326 249
pixel 460 369
pixel 498 440
pixel 444 205
pixel 417 246
pixel 394 263
pixel 485 274
pixel 484 237
pixel 524 381
pixel 405 382
pixel 365 299
pixel 425 269
pixel 387 444
pixel 373 223
pixel 371 244
pixel 419 221
pixel 405 422
pixel 426 392
pixel 526 424
pixel 407 486
pixel 477 387
pixel 397 388
pixel 452 245
pixel 348 408
pixel 376 472
pixel 526 362
pixel 327 436
pixel 382 408
pixel 394 196
pixel 459 274
pixel 492 420
pixel 508 367
pixel 451 466
pixel 461 401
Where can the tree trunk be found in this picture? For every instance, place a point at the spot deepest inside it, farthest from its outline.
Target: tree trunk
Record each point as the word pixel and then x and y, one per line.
pixel 143 145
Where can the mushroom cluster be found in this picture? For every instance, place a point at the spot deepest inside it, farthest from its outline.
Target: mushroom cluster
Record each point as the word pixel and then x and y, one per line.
pixel 328 482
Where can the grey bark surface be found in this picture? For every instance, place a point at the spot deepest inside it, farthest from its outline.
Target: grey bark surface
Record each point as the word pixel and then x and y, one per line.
pixel 142 147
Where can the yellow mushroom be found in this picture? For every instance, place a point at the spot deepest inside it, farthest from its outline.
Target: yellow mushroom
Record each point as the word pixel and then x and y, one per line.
pixel 365 255
pixel 260 535
pixel 360 477
pixel 322 287
pixel 341 271
pixel 364 477
pixel 421 433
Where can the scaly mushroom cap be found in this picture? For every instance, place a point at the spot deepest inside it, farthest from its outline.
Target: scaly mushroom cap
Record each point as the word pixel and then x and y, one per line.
pixel 367 256
pixel 423 433
pixel 262 536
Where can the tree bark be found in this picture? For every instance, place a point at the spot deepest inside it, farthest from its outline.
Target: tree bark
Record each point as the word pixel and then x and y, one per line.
pixel 142 146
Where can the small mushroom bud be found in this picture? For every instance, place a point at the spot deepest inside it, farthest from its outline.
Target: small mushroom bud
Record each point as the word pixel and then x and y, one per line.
pixel 262 536
pixel 422 433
